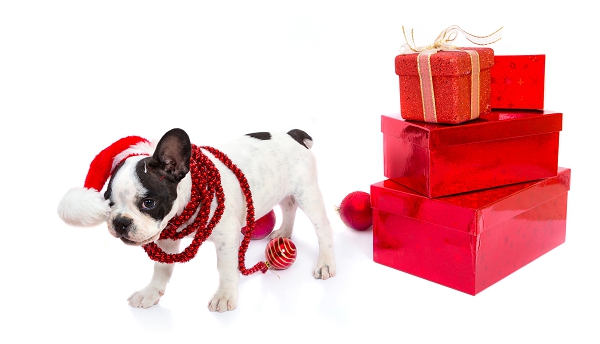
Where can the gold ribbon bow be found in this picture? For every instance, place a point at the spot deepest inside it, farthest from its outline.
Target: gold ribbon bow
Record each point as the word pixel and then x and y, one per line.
pixel 443 42
pixel 447 36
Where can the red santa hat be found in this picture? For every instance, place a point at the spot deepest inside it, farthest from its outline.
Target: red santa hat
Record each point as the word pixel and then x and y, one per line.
pixel 86 206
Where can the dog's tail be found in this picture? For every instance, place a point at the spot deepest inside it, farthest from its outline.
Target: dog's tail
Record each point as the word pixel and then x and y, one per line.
pixel 301 137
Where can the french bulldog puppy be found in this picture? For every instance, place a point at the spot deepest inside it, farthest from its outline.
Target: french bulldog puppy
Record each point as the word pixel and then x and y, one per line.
pixel 152 184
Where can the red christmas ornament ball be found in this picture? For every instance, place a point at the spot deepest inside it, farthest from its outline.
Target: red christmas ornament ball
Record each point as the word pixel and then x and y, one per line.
pixel 355 210
pixel 280 253
pixel 262 227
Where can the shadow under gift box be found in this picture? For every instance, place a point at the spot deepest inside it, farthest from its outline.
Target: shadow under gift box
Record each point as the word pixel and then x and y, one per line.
pixel 501 147
pixel 469 241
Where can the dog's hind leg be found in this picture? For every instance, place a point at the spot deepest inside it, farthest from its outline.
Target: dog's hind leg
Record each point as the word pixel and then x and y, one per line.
pixel 151 294
pixel 312 204
pixel 288 215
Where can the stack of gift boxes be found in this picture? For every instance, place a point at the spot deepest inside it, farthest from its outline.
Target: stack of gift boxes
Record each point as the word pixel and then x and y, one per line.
pixel 473 190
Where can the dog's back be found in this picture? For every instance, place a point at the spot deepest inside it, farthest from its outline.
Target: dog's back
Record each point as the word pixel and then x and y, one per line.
pixel 276 165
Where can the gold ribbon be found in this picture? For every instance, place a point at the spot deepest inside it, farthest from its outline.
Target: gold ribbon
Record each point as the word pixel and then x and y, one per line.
pixel 447 36
pixel 443 42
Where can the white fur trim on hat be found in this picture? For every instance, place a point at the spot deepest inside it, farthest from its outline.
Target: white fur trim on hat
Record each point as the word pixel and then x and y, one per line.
pixel 86 206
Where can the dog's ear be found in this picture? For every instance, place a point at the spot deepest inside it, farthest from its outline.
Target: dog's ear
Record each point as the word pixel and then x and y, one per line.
pixel 172 154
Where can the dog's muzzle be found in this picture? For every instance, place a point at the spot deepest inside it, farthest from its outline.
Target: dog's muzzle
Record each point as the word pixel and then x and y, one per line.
pixel 122 225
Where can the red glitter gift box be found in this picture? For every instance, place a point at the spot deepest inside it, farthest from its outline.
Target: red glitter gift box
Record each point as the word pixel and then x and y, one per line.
pixel 469 241
pixel 452 90
pixel 499 148
pixel 517 82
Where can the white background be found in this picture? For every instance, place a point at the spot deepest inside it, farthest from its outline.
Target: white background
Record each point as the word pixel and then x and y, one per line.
pixel 77 75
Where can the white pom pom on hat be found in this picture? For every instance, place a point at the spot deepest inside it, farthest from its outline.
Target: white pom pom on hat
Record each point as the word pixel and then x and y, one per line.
pixel 83 207
pixel 86 206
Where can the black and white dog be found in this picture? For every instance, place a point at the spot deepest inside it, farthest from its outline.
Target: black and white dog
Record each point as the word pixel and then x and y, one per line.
pixel 139 202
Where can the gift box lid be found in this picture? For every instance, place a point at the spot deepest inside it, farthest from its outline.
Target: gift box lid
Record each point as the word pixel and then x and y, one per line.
pixel 471 212
pixel 495 125
pixel 446 63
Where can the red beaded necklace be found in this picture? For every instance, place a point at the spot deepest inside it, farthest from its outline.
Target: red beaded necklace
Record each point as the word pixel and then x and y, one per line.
pixel 206 184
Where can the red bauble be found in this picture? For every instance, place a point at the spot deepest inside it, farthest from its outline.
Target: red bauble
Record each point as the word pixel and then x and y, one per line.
pixel 262 227
pixel 281 253
pixel 355 211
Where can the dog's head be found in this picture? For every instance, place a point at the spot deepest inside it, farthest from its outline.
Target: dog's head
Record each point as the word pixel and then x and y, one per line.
pixel 145 191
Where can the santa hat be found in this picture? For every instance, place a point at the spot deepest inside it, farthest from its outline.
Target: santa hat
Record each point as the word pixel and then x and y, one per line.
pixel 86 206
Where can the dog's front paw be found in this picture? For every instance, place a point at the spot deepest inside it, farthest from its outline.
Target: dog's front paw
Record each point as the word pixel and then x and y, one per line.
pixel 146 297
pixel 223 301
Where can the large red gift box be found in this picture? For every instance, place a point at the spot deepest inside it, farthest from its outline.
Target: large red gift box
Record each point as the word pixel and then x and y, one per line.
pixel 470 241
pixel 501 147
pixel 517 82
pixel 443 93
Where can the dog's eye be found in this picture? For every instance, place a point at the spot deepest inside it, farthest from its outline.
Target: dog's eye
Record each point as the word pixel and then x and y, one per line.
pixel 148 204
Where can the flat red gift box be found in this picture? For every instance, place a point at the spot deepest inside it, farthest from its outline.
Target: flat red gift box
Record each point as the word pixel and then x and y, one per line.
pixel 470 241
pixel 451 78
pixel 501 147
pixel 517 82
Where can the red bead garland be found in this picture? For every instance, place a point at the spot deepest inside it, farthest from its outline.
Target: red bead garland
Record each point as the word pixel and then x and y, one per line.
pixel 206 184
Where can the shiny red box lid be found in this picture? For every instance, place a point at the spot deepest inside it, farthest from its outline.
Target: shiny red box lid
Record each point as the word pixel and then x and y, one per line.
pixel 471 212
pixel 496 125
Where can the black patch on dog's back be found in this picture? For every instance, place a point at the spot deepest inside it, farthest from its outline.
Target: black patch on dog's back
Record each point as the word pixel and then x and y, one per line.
pixel 260 136
pixel 299 136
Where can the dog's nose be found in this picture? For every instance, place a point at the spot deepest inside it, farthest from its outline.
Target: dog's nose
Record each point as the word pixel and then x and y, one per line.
pixel 121 225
